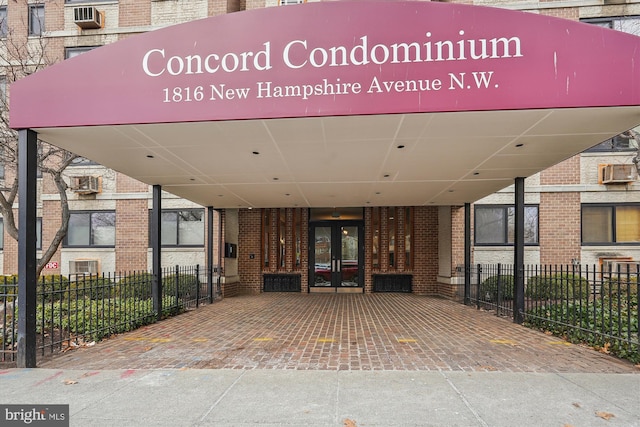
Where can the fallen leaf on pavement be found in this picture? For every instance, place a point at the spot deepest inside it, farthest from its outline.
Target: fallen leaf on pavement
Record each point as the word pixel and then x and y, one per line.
pixel 70 382
pixel 605 348
pixel 349 423
pixel 604 415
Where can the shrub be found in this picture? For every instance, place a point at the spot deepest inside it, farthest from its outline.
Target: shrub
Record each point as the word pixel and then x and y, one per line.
pixel 136 285
pixel 596 325
pixel 489 288
pixel 94 287
pixel 95 320
pixel 560 286
pixel 52 287
pixel 8 288
pixel 187 285
pixel 48 287
pixel 621 286
pixel 139 285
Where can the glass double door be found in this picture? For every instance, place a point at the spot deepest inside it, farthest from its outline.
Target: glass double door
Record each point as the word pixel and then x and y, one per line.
pixel 337 253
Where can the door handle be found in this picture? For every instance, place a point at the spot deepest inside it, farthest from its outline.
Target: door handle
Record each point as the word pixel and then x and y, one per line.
pixel 338 265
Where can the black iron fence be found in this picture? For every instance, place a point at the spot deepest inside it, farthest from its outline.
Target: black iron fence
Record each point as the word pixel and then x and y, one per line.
pixel 77 310
pixel 596 305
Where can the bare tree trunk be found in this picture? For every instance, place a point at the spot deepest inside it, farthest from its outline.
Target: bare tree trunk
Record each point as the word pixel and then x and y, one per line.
pixel 24 54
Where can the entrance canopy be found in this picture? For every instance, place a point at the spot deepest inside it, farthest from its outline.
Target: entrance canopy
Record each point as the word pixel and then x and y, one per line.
pixel 340 103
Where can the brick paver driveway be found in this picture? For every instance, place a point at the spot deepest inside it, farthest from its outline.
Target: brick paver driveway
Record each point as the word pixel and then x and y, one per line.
pixel 339 332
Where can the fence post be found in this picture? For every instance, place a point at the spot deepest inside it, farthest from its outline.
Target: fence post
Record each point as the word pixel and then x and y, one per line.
pixel 210 252
pixel 478 273
pixel 467 253
pixel 197 285
pixel 518 258
pixel 156 247
pixel 177 283
pixel 499 290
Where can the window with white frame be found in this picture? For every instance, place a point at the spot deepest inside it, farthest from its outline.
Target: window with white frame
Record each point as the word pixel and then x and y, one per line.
pixel 36 19
pixel 495 225
pixel 71 52
pixel 91 229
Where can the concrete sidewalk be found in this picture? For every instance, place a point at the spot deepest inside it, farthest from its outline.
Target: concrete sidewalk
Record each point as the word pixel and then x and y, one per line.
pixel 260 397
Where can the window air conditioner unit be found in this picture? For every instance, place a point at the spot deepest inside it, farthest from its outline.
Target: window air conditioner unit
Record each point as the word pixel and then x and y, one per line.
pixel 86 184
pixel 619 174
pixel 619 265
pixel 87 17
pixel 84 266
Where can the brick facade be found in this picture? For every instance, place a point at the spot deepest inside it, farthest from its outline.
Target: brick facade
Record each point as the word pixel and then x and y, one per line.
pixel 567 172
pixel 425 272
pixel 134 13
pixel 132 238
pixel 221 7
pixel 249 250
pixel 559 228
pixel 565 12
pixel 457 236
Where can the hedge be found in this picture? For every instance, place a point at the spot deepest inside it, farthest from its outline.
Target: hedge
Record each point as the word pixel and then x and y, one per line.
pixel 489 288
pixel 560 286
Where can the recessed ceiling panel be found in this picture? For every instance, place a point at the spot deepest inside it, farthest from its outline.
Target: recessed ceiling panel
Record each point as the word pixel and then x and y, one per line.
pixel 483 124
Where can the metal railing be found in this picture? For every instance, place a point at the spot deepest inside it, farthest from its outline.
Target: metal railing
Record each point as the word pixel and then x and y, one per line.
pixel 79 309
pixel 595 305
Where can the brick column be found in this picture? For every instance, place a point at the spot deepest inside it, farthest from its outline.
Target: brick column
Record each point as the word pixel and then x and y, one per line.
pixel 132 225
pixel 134 13
pixel 559 215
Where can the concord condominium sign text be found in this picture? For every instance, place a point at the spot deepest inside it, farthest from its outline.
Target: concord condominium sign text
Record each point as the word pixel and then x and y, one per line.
pixel 298 54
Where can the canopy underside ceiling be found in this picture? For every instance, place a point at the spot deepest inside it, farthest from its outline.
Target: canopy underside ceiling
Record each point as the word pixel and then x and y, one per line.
pixel 375 160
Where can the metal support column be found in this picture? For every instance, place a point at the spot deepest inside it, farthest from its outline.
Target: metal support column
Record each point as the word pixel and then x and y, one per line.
pixel 210 252
pixel 156 250
pixel 467 253
pixel 27 260
pixel 220 252
pixel 518 259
